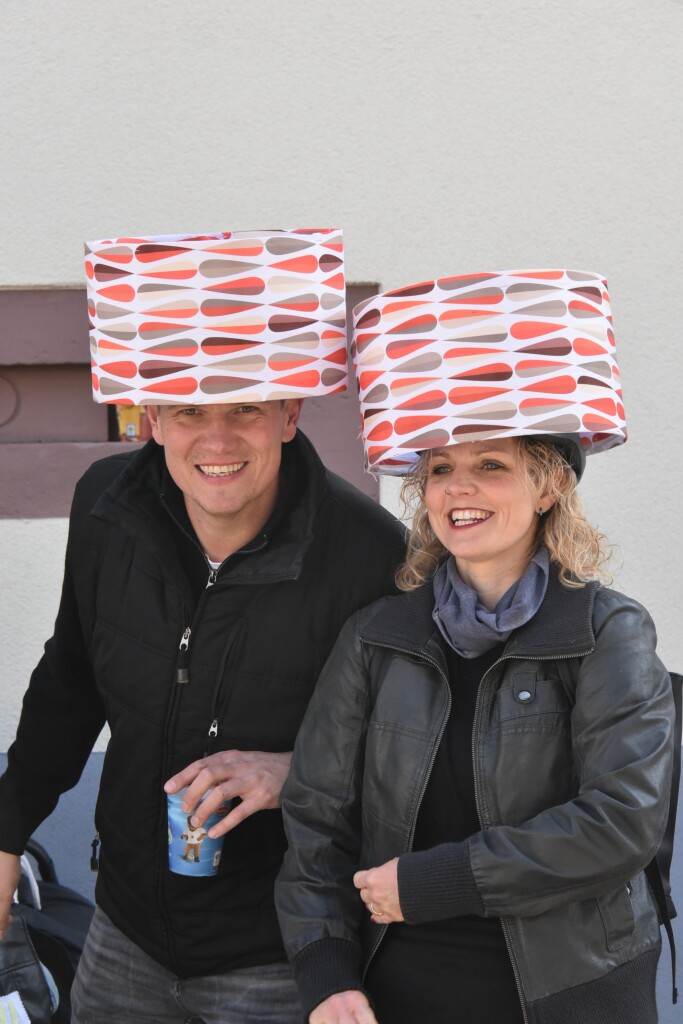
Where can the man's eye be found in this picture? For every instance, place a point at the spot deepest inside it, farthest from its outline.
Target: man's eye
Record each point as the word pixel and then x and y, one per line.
pixel 248 408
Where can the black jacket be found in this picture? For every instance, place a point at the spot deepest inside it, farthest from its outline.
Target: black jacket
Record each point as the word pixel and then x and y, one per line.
pixel 572 748
pixel 258 639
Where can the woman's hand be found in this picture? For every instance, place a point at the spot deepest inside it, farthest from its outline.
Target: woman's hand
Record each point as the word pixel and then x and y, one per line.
pixel 379 892
pixel 350 1007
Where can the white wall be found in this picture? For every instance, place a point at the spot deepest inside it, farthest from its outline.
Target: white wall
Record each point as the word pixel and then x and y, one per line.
pixel 32 559
pixel 445 137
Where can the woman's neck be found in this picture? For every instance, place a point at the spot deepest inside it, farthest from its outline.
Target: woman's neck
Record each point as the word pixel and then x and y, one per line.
pixel 490 581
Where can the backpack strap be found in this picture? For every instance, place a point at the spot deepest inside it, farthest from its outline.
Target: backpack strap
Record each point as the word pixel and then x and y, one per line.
pixel 654 877
pixel 658 870
pixel 46 866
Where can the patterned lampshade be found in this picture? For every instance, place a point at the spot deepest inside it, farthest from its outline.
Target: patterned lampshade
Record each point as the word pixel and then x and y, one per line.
pixel 501 354
pixel 221 317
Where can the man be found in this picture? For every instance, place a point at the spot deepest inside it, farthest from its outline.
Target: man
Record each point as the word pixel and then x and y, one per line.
pixel 207 576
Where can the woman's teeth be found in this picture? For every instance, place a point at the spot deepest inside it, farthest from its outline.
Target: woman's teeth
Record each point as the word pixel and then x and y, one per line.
pixel 461 517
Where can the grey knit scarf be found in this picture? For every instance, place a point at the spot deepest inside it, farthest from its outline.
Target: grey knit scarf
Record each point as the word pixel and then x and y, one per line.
pixel 467 625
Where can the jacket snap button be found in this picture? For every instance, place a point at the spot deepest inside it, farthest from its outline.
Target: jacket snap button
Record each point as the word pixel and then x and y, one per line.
pixel 524 695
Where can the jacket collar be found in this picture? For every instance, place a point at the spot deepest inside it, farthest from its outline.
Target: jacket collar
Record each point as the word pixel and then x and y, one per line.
pixel 135 501
pixel 562 626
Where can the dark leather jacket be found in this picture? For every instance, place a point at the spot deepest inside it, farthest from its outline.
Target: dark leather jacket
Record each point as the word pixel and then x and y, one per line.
pixel 572 747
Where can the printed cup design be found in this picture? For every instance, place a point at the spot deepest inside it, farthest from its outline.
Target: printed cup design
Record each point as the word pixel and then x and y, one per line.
pixel 191 851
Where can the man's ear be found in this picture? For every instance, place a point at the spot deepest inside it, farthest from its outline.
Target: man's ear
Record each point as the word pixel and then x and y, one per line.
pixel 154 417
pixel 292 411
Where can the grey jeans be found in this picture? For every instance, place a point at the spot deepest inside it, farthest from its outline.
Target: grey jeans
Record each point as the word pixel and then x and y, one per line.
pixel 117 982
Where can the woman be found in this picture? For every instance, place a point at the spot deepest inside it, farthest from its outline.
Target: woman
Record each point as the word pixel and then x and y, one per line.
pixel 483 773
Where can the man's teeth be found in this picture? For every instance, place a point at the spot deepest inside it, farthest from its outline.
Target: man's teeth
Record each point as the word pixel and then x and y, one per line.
pixel 469 516
pixel 222 470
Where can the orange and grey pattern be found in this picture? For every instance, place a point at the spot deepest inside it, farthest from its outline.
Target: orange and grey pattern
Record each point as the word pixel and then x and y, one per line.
pixel 221 317
pixel 501 354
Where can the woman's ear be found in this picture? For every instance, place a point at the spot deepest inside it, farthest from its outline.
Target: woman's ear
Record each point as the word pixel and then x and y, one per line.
pixel 545 503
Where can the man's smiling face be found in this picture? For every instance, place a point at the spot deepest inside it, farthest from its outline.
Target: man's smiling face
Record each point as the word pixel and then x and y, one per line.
pixel 225 458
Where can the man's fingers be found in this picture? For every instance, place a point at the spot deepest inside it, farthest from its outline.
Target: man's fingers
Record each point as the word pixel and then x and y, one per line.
pixel 216 802
pixel 251 802
pixel 183 778
pixel 255 776
pixel 217 765
pixel 254 796
pixel 237 814
pixel 208 791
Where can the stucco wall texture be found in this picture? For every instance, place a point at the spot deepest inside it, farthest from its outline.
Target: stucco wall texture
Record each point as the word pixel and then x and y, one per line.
pixel 444 137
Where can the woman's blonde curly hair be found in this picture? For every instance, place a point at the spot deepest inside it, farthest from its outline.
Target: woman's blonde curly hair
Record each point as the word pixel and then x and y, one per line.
pixel 580 550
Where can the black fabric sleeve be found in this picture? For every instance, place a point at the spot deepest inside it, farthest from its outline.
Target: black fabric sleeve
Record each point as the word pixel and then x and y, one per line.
pixel 438 883
pixel 325 967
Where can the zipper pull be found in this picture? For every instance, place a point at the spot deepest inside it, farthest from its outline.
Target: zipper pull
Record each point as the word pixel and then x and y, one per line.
pixel 182 671
pixel 213 576
pixel 213 732
pixel 94 862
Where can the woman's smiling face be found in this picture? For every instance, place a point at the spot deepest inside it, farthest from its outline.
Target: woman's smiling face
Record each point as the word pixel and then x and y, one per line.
pixel 481 509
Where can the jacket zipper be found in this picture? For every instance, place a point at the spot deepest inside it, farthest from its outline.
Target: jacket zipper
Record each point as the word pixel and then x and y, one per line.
pixel 94 859
pixel 213 728
pixel 211 737
pixel 182 674
pixel 505 921
pixel 182 678
pixel 401 650
pixel 212 732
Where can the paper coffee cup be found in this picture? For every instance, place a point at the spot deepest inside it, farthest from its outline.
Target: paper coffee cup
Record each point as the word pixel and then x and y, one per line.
pixel 191 851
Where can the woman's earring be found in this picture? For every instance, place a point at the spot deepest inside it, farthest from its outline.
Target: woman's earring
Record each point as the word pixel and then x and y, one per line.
pixel 540 513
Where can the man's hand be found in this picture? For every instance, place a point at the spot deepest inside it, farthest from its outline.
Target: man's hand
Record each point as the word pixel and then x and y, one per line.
pixel 10 873
pixel 350 1007
pixel 254 775
pixel 379 892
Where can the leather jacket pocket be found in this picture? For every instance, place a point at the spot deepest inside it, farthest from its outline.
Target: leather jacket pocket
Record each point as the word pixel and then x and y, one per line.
pixel 616 911
pixel 526 699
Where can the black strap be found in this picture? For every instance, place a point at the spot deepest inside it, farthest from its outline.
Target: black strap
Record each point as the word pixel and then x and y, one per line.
pixel 46 866
pixel 654 877
pixel 659 868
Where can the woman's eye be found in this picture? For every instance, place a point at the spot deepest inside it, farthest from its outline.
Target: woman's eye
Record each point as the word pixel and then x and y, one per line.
pixel 492 465
pixel 440 470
